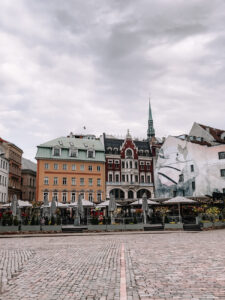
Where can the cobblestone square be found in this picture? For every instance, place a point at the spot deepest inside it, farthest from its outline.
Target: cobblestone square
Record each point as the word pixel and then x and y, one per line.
pixel 179 265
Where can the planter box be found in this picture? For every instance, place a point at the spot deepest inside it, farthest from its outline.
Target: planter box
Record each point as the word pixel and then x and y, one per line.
pixel 97 227
pixel 9 228
pixel 178 226
pixel 30 228
pixel 219 224
pixel 134 226
pixel 51 228
pixel 206 224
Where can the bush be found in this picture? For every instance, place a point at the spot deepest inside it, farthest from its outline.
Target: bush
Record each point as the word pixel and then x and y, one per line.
pixel 52 220
pixel 15 221
pixel 94 221
pixel 58 220
pixel 46 220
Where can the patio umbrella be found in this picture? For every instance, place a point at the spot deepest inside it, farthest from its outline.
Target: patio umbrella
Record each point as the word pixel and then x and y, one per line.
pixel 144 206
pixel 45 206
pixel 85 203
pixel 21 204
pixel 112 208
pixel 139 202
pixel 105 204
pixel 179 200
pixel 53 207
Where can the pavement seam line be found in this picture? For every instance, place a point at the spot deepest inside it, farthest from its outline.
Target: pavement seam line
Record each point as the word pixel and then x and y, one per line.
pixel 123 284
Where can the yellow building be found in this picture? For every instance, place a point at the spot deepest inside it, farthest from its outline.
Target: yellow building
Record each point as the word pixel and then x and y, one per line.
pixel 71 166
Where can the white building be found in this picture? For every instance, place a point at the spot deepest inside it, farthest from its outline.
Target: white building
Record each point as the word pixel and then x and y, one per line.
pixel 191 165
pixel 4 177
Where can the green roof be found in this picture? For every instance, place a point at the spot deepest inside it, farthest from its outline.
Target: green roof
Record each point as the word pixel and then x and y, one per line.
pixel 65 143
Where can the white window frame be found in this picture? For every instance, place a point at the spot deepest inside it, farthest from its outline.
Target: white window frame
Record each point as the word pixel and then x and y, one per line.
pixel 64 182
pixel 73 180
pixel 73 197
pixel 90 181
pixel 64 167
pixel 55 181
pixel 73 167
pixel 53 151
pixel 82 182
pixel 90 150
pixel 98 181
pixel 64 196
pixel 73 152
pixel 46 181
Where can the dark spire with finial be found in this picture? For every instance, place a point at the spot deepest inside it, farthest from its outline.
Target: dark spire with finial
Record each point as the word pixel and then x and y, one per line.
pixel 151 130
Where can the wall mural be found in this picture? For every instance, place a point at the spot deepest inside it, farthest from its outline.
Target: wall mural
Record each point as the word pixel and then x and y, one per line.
pixel 188 169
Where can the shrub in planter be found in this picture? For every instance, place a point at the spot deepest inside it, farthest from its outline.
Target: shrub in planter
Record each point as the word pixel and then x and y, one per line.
pixel 15 221
pixel 94 221
pixel 58 220
pixel 46 220
pixel 52 220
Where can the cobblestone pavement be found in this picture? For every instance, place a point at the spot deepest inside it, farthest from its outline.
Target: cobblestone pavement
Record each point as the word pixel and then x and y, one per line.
pixel 158 266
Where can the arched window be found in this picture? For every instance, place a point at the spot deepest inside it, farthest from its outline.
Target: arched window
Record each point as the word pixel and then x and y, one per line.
pixel 130 195
pixel 129 153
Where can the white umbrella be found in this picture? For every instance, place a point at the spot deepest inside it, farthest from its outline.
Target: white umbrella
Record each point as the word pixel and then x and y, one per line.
pixel 112 207
pixel 85 203
pixel 21 204
pixel 53 207
pixel 105 204
pixel 139 202
pixel 58 205
pixel 179 200
pixel 144 206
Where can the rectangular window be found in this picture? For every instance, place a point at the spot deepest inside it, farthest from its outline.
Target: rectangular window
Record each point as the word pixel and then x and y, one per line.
pixel 142 178
pixel 46 180
pixel 192 168
pixel 148 167
pixel 64 197
pixel 89 168
pixel 99 197
pixel 82 167
pixel 73 181
pixel 73 153
pixel 221 155
pixel 73 197
pixel 142 167
pixel 90 153
pixel 98 168
pixel 181 178
pixel 56 152
pixel 64 166
pixel 222 172
pixel 73 167
pixel 110 178
pixel 55 182
pixel 123 164
pixel 123 178
pixel 45 195
pixel 98 182
pixel 136 165
pixel 90 181
pixel 136 178
pixel 117 178
pixel 90 197
pixel 148 179
pixel 193 185
pixel 46 166
pixel 64 181
pixel 81 181
pixel 56 166
pixel 131 165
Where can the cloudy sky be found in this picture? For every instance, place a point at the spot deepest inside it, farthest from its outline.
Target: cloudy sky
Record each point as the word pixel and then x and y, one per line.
pixel 74 63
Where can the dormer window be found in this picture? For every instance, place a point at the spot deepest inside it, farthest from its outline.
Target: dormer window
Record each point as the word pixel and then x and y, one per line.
pixel 56 151
pixel 73 152
pixel 129 153
pixel 90 153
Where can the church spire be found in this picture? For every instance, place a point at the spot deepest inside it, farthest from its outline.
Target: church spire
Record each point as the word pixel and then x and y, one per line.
pixel 151 130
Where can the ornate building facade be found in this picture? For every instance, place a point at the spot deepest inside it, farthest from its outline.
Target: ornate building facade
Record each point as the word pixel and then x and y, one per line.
pixel 129 165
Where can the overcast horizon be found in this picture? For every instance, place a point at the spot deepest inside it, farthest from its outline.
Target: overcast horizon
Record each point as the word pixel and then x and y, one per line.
pixel 70 64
